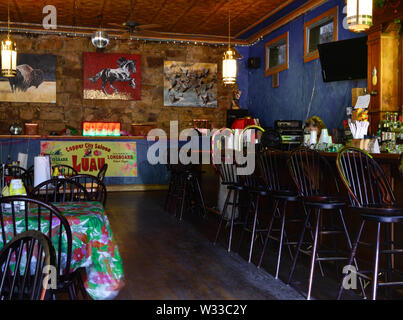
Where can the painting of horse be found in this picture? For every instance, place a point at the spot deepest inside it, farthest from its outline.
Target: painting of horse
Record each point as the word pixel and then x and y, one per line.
pixel 111 76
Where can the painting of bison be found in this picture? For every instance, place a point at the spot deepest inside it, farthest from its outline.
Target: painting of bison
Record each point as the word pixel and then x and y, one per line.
pixel 35 80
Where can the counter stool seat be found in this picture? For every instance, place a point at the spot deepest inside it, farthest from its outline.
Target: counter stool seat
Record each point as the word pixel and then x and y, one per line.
pixel 287 195
pixel 324 202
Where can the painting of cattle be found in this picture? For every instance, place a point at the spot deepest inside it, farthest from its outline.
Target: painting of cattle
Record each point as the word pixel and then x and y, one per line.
pixel 189 84
pixel 111 76
pixel 35 80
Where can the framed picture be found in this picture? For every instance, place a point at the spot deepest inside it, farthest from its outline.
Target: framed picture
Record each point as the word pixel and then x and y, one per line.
pixel 112 76
pixel 190 84
pixel 35 80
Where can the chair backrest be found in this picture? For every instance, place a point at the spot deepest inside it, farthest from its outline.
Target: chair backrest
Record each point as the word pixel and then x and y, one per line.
pixel 102 172
pixel 271 165
pixel 20 213
pixel 364 178
pixel 95 188
pixel 18 254
pixel 227 172
pixel 65 170
pixel 59 190
pixel 20 173
pixel 312 173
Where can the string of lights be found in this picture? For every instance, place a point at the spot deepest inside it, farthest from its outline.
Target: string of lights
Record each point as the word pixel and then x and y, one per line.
pixel 38 32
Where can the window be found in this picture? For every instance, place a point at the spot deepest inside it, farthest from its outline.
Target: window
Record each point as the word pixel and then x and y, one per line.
pixel 319 30
pixel 277 54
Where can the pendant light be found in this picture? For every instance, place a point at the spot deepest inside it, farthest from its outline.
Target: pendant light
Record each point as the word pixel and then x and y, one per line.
pixel 359 15
pixel 229 62
pixel 100 38
pixel 8 53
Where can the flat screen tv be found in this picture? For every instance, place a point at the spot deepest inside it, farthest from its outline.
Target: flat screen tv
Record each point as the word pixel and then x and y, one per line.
pixel 344 60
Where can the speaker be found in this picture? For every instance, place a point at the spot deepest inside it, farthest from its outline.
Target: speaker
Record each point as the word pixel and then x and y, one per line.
pixel 254 63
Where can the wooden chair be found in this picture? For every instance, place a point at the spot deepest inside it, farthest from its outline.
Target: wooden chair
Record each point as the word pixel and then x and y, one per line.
pixel 22 284
pixel 102 172
pixel 95 188
pixel 19 173
pixel 65 170
pixel 43 216
pixel 371 196
pixel 60 190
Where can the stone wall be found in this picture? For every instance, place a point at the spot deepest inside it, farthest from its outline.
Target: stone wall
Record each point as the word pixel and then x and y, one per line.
pixel 71 109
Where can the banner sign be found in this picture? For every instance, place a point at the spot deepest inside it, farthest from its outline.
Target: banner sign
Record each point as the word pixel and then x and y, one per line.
pixel 87 157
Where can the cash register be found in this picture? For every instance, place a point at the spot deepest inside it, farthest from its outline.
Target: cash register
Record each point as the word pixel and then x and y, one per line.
pixel 291 133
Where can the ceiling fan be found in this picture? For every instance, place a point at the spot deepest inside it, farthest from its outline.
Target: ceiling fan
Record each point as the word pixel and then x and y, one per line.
pixel 134 27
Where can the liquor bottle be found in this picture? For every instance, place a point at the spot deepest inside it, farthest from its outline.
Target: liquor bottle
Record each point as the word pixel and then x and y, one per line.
pixel 7 166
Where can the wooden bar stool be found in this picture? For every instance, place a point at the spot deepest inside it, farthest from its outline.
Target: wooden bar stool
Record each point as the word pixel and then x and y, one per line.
pixel 281 194
pixel 372 197
pixel 230 179
pixel 319 193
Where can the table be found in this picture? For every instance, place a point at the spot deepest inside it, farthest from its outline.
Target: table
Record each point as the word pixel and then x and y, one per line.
pixel 93 246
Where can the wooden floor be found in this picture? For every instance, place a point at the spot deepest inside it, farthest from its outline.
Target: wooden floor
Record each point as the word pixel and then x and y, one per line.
pixel 165 259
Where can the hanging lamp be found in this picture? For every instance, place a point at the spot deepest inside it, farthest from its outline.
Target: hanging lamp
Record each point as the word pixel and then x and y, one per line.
pixel 359 15
pixel 229 62
pixel 100 38
pixel 8 53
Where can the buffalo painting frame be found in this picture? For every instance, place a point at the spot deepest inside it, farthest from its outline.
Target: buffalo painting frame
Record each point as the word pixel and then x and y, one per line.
pixel 35 80
pixel 112 76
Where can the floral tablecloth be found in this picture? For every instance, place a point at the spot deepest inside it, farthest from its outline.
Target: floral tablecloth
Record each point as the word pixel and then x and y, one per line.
pixel 93 246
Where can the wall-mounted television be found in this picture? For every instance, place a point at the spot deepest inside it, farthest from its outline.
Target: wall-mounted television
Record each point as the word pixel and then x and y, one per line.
pixel 344 60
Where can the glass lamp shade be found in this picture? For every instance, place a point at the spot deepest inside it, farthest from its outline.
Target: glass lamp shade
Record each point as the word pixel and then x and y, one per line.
pixel 229 67
pixel 100 39
pixel 8 58
pixel 359 15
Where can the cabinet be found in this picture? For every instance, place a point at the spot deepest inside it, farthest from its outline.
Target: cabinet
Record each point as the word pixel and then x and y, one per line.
pixel 383 71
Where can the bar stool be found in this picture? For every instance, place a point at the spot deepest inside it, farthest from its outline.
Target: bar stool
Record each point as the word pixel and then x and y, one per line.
pixel 281 194
pixel 372 197
pixel 230 179
pixel 184 190
pixel 255 189
pixel 318 190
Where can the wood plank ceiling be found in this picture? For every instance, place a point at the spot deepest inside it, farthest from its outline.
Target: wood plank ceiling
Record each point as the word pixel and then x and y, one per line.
pixel 204 18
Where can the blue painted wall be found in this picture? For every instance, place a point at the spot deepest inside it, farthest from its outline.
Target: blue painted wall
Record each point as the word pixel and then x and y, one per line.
pixel 291 99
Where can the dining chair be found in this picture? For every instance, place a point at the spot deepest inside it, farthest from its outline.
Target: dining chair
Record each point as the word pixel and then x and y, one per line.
pixel 29 250
pixel 18 173
pixel 274 172
pixel 96 189
pixel 65 170
pixel 102 172
pixel 20 213
pixel 319 193
pixel 60 190
pixel 371 196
